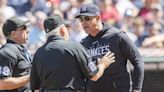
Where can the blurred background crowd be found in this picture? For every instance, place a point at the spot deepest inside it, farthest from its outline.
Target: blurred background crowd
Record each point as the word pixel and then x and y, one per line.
pixel 142 20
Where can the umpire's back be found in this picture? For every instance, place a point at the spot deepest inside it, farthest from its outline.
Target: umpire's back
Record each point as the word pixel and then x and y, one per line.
pixel 58 66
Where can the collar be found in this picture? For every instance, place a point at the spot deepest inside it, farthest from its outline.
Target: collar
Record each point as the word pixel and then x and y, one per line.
pixel 10 41
pixel 54 37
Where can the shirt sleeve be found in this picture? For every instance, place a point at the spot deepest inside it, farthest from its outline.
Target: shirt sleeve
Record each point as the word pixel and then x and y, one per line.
pixel 131 52
pixel 34 77
pixel 7 64
pixel 87 66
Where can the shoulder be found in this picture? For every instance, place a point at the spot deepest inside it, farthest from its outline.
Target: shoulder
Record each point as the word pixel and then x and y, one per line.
pixel 55 45
pixel 72 47
pixel 86 40
pixel 7 51
pixel 109 30
pixel 114 32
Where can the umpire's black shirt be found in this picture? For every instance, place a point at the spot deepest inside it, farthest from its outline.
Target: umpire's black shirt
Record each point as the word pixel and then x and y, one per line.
pixel 61 64
pixel 14 63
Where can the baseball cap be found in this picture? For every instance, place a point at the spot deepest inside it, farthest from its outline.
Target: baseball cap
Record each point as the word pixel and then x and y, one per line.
pixel 12 24
pixel 88 10
pixel 52 22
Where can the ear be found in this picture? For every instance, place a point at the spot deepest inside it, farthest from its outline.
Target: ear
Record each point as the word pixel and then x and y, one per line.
pixel 62 31
pixel 13 34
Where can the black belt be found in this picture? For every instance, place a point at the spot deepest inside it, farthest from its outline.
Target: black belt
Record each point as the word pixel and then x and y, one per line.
pixel 62 90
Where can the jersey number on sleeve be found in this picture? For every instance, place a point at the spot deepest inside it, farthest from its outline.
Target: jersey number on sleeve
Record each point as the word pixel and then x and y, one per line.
pixel 4 70
pixel 92 66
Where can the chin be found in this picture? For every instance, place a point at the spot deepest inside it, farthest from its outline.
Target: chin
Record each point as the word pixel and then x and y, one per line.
pixel 25 41
pixel 87 32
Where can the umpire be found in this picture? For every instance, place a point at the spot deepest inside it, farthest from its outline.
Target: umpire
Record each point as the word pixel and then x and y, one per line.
pixel 15 61
pixel 62 66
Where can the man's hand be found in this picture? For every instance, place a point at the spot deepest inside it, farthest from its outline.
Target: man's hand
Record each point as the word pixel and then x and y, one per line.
pixel 136 90
pixel 107 59
pixel 103 63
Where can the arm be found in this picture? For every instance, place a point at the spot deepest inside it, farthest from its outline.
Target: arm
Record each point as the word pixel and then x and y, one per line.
pixel 36 90
pixel 13 82
pixel 104 62
pixel 101 68
pixel 131 52
pixel 35 73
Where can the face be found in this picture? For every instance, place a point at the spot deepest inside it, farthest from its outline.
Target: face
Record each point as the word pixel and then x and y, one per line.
pixel 89 24
pixel 20 36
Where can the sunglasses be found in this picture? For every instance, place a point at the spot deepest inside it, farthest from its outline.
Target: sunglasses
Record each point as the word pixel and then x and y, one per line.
pixel 22 28
pixel 85 18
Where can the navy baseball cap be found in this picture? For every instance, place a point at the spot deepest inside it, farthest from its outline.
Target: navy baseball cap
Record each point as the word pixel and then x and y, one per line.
pixel 12 24
pixel 88 10
pixel 52 22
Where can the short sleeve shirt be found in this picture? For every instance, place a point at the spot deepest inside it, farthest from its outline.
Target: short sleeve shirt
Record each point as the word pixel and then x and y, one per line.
pixel 13 62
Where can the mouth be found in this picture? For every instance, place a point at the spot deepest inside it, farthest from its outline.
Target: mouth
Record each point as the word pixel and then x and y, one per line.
pixel 27 38
pixel 86 27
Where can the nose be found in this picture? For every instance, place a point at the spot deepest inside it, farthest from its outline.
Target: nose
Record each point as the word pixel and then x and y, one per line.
pixel 28 30
pixel 84 23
